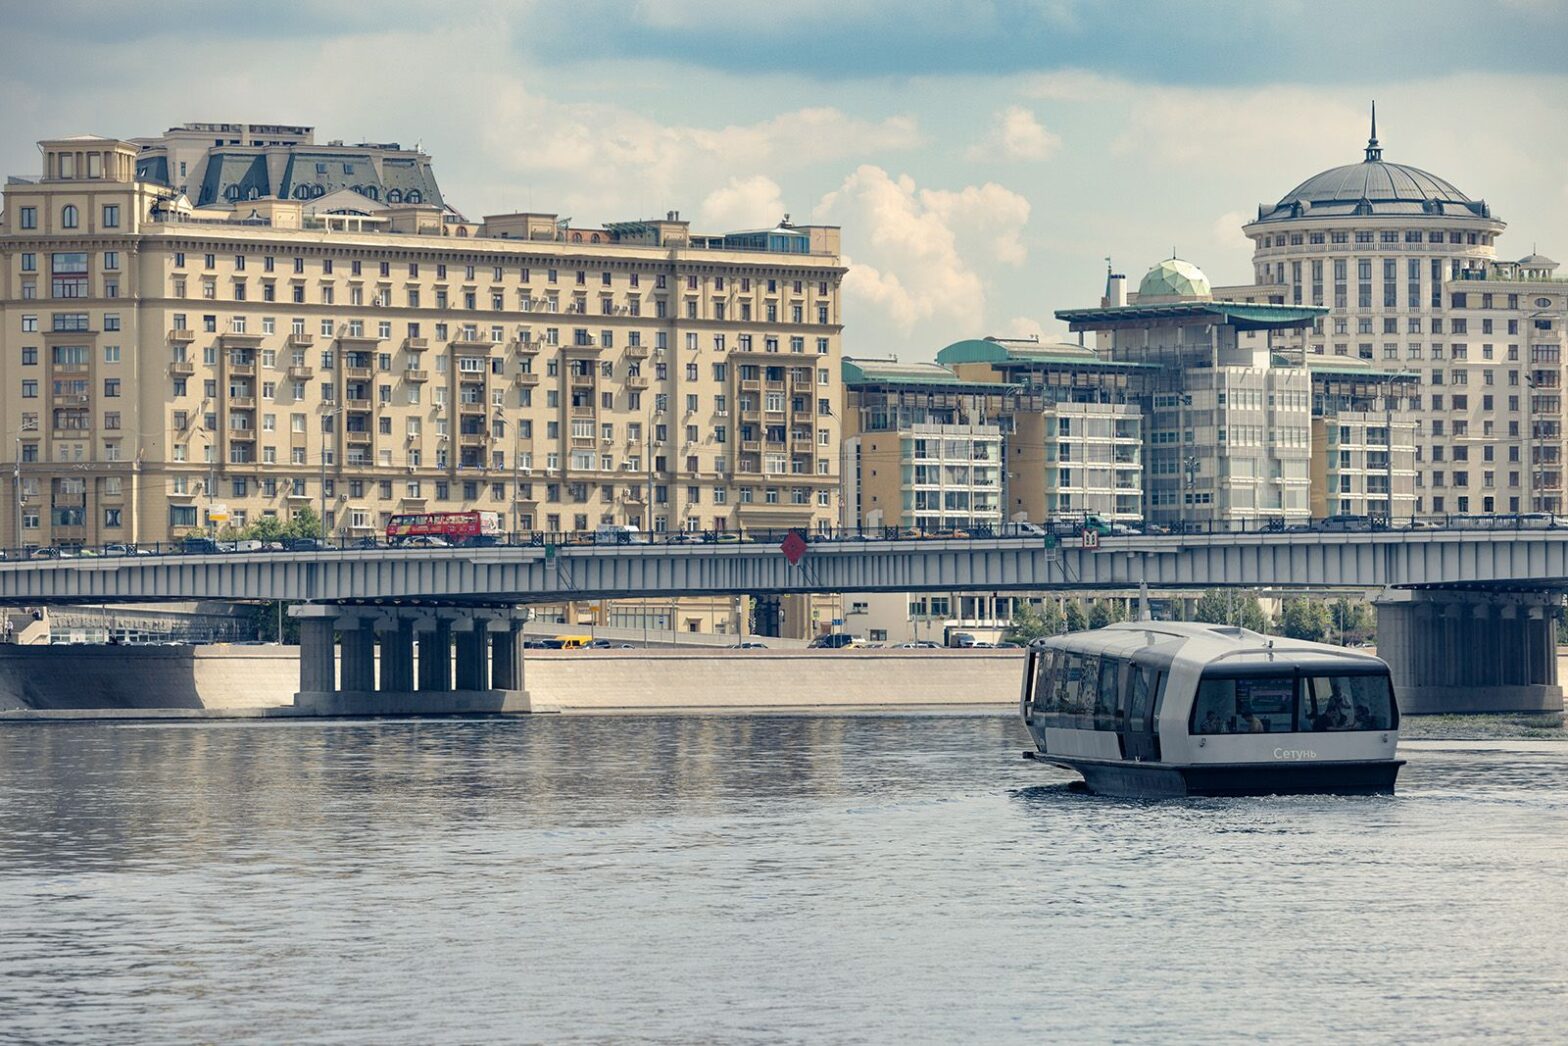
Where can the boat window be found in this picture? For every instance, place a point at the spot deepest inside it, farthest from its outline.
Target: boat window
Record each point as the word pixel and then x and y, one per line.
pixel 1346 702
pixel 1138 695
pixel 1105 698
pixel 1254 705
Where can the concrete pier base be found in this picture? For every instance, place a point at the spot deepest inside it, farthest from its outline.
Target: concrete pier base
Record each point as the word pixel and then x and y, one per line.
pixel 489 661
pixel 1462 652
pixel 380 702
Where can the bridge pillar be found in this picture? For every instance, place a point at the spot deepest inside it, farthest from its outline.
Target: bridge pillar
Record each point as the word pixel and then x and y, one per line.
pixel 1464 651
pixel 357 638
pixel 506 655
pixel 317 655
pixel 397 655
pixel 435 655
pixel 473 660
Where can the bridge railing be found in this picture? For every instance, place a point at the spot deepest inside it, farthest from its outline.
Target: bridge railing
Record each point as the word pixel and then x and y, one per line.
pixel 1068 531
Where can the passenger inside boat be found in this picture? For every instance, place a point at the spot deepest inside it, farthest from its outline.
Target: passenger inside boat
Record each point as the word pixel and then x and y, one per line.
pixel 1284 704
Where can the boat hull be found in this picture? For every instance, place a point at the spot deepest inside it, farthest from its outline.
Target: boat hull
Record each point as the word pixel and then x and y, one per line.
pixel 1168 781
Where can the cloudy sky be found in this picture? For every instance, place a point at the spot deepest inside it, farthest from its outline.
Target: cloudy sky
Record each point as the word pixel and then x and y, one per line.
pixel 983 156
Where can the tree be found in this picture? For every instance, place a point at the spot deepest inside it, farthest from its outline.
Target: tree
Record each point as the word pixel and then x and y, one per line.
pixel 1104 612
pixel 1303 618
pixel 305 524
pixel 1074 619
pixel 267 528
pixel 1230 608
pixel 264 622
pixel 1351 621
pixel 1028 624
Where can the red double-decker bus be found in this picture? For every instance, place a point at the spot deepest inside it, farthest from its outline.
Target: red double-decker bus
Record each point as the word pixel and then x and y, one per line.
pixel 453 527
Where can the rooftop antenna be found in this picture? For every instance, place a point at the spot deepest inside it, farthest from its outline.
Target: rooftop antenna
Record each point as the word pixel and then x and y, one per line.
pixel 1374 151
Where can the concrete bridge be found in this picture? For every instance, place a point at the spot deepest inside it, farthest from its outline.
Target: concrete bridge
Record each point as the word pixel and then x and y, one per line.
pixel 1465 613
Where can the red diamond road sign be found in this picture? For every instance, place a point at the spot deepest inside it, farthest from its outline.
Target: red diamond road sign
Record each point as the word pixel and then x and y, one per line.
pixel 794 547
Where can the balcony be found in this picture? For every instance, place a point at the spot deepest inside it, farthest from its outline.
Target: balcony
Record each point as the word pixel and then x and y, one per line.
pixel 582 412
pixel 637 381
pixel 356 402
pixel 416 375
pixel 637 352
pixel 301 340
pixel 470 408
pixel 803 445
pixel 751 385
pixel 583 381
pixel 473 439
pixel 242 403
pixel 356 373
pixel 358 437
pixel 477 346
pixel 583 346
pixel 182 336
pixel 527 348
pixel 242 370
pixel 300 373
pixel 527 377
pixel 416 344
pixel 750 446
pixel 182 368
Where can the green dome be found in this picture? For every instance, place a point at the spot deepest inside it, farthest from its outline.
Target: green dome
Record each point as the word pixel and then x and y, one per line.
pixel 1174 280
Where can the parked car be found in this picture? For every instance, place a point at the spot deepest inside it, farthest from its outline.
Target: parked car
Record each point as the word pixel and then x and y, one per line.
pixel 833 641
pixel 51 553
pixel 305 545
pixel 960 640
pixel 199 546
pixel 749 645
pixel 918 644
pixel 476 541
pixel 424 541
pixel 1344 524
pixel 618 534
pixel 118 551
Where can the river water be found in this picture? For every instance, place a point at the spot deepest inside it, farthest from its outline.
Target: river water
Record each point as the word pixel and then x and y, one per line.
pixel 866 879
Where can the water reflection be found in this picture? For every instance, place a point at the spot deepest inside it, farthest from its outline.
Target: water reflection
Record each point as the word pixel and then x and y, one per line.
pixel 747 879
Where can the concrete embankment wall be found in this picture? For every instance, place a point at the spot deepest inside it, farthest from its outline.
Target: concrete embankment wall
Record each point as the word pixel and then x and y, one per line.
pixel 225 677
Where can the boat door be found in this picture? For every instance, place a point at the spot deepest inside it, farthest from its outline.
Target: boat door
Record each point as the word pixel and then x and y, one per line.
pixel 1139 742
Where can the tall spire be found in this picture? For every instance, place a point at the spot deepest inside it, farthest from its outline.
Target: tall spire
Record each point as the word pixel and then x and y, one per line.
pixel 1374 150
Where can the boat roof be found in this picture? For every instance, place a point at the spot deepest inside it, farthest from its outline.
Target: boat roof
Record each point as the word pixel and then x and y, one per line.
pixel 1205 643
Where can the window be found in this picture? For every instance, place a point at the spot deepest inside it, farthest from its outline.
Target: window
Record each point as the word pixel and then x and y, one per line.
pixel 1285 704
pixel 111 216
pixel 28 217
pixel 68 216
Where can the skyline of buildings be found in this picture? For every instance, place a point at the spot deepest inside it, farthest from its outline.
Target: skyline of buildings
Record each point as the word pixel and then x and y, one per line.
pixel 234 319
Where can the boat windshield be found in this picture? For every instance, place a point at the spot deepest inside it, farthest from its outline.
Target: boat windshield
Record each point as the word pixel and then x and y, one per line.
pixel 1276 704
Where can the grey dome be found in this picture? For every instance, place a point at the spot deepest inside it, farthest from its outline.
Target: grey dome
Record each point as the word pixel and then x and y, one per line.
pixel 1373 187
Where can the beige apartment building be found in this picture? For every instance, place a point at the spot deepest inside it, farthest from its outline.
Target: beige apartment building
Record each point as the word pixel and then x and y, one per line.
pixel 166 363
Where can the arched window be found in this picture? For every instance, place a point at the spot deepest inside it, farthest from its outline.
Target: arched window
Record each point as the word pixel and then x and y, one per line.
pixel 231 193
pixel 372 192
pixel 595 237
pixel 301 192
pixel 394 196
pixel 68 217
pixel 253 194
pixel 577 237
pixel 413 196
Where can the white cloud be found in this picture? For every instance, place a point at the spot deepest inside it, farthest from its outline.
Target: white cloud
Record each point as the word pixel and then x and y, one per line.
pixel 916 254
pixel 1023 327
pixel 1016 134
pixel 1227 230
pixel 743 203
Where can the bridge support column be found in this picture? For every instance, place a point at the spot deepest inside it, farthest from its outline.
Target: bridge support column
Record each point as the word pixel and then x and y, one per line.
pixel 435 655
pixel 473 661
pixel 1463 651
pixel 317 654
pixel 506 655
pixel 357 638
pixel 397 655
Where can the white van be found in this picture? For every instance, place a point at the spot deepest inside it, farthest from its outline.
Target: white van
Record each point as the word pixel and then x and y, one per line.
pixel 618 534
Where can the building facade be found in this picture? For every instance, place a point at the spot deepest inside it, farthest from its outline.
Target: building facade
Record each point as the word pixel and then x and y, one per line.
pixel 1406 266
pixel 166 364
pixel 922 448
pixel 1229 421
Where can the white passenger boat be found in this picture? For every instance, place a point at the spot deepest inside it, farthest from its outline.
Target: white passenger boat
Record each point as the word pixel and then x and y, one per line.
pixel 1169 709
